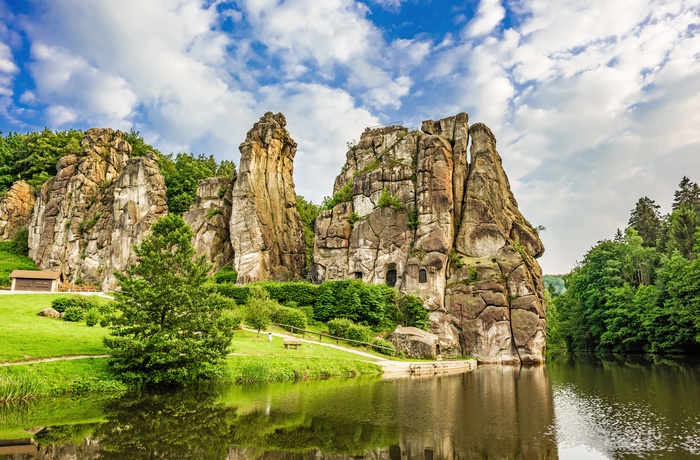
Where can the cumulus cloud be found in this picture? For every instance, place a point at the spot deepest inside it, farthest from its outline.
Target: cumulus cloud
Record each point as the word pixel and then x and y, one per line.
pixel 488 16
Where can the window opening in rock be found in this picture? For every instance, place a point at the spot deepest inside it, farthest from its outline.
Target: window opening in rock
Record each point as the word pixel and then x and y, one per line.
pixel 358 275
pixel 422 276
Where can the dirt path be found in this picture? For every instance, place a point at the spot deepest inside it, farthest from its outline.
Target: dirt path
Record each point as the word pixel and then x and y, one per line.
pixel 58 358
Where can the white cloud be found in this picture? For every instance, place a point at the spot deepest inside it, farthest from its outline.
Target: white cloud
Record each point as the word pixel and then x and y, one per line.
pixel 488 17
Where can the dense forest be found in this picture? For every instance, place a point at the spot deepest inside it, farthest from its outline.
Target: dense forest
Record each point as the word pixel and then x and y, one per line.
pixel 638 292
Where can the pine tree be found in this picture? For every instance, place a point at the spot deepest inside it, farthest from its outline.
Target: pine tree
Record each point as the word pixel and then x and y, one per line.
pixel 646 219
pixel 687 195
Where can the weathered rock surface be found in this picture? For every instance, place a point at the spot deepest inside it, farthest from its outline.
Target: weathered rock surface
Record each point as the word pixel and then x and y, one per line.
pixel 49 313
pixel 266 230
pixel 424 219
pixel 210 217
pixel 415 343
pixel 15 208
pixel 101 203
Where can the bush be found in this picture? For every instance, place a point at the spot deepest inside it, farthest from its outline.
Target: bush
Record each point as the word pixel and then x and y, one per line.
pixel 259 309
pixel 240 294
pixel 233 319
pixel 92 317
pixel 290 317
pixel 359 333
pixel 338 327
pixel 83 303
pixel 20 242
pixel 412 312
pixel 226 275
pixel 73 314
pixel 308 311
pixel 378 342
pixel 301 293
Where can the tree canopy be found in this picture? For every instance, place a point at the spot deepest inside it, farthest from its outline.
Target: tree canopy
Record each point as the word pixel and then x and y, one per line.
pixel 171 330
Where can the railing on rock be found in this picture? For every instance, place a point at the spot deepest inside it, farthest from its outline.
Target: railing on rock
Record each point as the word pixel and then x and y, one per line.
pixel 320 335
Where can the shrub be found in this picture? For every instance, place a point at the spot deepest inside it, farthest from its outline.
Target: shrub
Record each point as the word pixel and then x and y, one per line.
pixel 338 327
pixel 308 311
pixel 92 317
pixel 234 319
pixel 412 312
pixel 73 314
pixel 343 195
pixel 226 275
pixel 259 309
pixel 20 242
pixel 290 317
pixel 379 342
pixel 240 294
pixel 83 303
pixel 214 211
pixel 302 293
pixel 387 200
pixel 359 333
pixel 356 300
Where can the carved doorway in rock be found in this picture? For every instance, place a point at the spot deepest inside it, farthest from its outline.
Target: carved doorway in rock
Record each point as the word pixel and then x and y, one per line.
pixel 391 275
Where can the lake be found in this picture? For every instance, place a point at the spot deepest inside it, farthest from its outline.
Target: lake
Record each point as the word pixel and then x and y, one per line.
pixel 583 407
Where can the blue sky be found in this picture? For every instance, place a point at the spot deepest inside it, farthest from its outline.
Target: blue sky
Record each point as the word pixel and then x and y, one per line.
pixel 594 104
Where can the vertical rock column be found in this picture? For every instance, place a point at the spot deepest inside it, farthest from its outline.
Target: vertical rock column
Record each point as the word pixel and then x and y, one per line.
pixel 266 229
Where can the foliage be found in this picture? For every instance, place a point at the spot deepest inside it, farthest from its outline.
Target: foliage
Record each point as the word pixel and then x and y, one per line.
pixel 387 200
pixel 80 302
pixel 171 330
pixel 20 242
pixel 139 147
pixel 338 327
pixel 92 317
pixel 289 316
pixel 412 312
pixel 354 217
pixel 182 176
pixel 214 211
pixel 413 218
pixel 9 261
pixel 73 314
pixel 687 195
pixel 646 219
pixel 382 346
pixel 32 157
pixel 226 275
pixel 373 304
pixel 358 332
pixel 554 284
pixel 308 213
pixel 343 195
pixel 259 309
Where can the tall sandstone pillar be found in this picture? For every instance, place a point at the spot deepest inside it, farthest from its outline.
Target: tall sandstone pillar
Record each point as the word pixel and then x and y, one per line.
pixel 266 229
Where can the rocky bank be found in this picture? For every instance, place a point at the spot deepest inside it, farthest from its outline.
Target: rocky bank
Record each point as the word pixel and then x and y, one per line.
pixel 413 212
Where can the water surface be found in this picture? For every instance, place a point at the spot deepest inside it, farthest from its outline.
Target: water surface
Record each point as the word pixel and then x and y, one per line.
pixel 575 408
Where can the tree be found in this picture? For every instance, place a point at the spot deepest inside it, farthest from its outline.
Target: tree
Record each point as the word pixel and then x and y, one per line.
pixel 308 213
pixel 687 195
pixel 182 177
pixel 646 219
pixel 171 330
pixel 259 308
pixel 683 223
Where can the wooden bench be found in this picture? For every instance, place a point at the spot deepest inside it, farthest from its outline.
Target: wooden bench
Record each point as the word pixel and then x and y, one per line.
pixel 291 343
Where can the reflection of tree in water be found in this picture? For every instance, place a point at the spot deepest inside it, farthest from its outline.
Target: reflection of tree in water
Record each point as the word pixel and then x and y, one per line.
pixel 183 425
pixel 192 425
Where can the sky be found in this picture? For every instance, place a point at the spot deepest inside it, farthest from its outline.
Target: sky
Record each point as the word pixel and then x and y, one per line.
pixel 594 103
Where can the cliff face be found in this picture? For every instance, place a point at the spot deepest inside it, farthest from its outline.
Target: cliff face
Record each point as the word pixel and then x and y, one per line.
pixel 266 230
pixel 424 219
pixel 87 219
pixel 209 219
pixel 15 209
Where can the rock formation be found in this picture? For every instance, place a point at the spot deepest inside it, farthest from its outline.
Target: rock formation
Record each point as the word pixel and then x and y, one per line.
pixel 414 213
pixel 209 217
pixel 101 203
pixel 15 208
pixel 266 230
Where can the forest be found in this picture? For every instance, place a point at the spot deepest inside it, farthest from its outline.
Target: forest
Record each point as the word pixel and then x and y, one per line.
pixel 638 292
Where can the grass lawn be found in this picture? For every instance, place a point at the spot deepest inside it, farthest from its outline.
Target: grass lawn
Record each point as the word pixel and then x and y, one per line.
pixel 26 336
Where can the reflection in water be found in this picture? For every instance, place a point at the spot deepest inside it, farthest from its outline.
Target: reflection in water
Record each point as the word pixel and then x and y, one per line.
pixel 627 406
pixel 592 408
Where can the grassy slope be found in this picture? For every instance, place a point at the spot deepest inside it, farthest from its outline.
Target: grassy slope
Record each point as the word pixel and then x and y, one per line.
pixel 26 336
pixel 9 262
